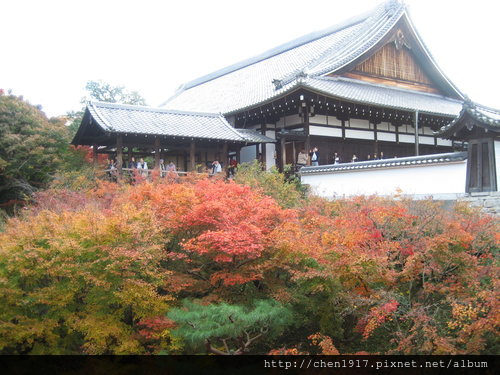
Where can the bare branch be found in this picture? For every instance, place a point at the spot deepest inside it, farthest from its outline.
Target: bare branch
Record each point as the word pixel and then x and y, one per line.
pixel 211 349
pixel 225 345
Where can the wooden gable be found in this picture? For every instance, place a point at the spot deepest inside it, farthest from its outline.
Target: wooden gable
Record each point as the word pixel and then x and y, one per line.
pixel 394 64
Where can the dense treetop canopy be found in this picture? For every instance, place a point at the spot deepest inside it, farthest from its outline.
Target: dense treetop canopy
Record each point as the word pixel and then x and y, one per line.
pixel 211 266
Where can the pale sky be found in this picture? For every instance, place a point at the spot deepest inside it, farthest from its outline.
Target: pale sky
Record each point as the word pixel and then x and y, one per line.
pixel 49 49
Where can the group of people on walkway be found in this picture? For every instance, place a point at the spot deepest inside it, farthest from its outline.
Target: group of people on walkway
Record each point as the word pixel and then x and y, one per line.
pixel 312 158
pixel 142 168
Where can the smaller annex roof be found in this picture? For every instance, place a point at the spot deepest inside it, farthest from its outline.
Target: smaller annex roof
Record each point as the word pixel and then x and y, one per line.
pixel 411 161
pixel 133 119
pixel 472 114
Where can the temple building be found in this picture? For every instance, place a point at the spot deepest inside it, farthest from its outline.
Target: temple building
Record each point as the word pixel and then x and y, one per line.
pixel 366 89
pixel 363 87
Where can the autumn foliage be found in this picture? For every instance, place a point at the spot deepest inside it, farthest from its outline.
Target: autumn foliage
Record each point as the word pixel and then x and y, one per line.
pixel 98 272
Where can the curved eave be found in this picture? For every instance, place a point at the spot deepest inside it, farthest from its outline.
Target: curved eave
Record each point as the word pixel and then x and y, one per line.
pixel 87 121
pixel 468 117
pixel 354 53
pixel 378 104
pixel 293 87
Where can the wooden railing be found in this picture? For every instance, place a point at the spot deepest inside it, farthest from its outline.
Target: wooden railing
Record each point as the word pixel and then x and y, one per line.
pixel 149 172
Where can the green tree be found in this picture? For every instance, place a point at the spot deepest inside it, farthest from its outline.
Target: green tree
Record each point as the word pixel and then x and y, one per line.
pixel 227 329
pixel 105 92
pixel 31 148
pixel 77 280
pixel 288 192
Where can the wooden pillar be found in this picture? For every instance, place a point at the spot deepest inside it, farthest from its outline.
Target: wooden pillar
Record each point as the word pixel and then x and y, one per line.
pixel 375 137
pixel 157 153
pixel 225 156
pixel 283 153
pixel 192 156
pixel 263 146
pixel 238 154
pixel 417 151
pixel 119 153
pixel 95 157
pixel 306 129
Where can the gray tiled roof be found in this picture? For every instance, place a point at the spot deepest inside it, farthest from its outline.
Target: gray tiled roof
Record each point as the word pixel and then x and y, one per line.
pixel 389 97
pixel 121 118
pixel 488 117
pixel 284 68
pixel 411 161
pixel 254 136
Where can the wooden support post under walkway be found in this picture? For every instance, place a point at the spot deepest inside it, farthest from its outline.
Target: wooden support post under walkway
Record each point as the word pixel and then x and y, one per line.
pixel 119 156
pixel 157 153
pixel 225 156
pixel 192 155
pixel 119 153
pixel 95 156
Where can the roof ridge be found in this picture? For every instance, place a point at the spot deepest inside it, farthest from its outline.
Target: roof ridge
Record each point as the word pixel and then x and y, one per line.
pixel 297 42
pixel 382 20
pixel 91 105
pixel 478 106
pixel 152 109
pixel 420 160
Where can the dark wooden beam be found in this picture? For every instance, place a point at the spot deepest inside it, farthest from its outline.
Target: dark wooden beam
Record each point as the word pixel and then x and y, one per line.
pixel 94 154
pixel 157 153
pixel 192 156
pixel 417 148
pixel 305 113
pixel 263 146
pixel 119 153
pixel 225 156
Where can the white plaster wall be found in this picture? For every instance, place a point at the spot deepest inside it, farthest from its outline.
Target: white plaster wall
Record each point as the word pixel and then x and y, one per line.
pixel 332 120
pixel 359 134
pixel 386 137
pixel 321 130
pixel 426 140
pixel 428 131
pixel 444 142
pixel 405 138
pixel 318 119
pixel 293 120
pixel 358 123
pixel 440 180
pixel 383 126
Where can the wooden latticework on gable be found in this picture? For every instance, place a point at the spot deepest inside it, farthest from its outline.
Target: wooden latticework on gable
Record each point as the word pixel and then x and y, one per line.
pixel 391 62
